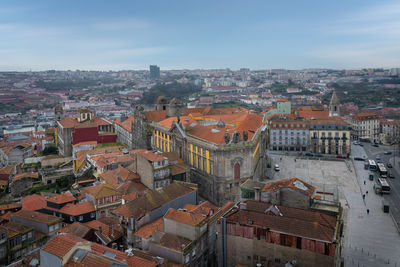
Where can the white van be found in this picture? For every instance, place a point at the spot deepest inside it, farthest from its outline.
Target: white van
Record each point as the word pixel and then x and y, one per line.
pixel 276 168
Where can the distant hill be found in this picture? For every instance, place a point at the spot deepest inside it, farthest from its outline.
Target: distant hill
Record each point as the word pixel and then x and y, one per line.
pixel 169 91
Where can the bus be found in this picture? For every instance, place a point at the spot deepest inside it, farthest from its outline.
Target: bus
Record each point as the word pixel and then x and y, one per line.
pixel 382 170
pixel 372 165
pixel 382 186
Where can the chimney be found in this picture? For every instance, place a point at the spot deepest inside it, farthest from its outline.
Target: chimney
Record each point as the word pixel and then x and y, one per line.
pixel 257 193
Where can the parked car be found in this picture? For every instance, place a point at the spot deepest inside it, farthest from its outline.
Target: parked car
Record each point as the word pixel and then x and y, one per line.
pixel 356 143
pixel 375 145
pixel 388 153
pixel 389 165
pixel 360 144
pixel 390 175
pixel 378 157
pixel 371 176
pixel 359 159
pixel 308 154
pixel 276 168
pixel 318 155
pixel 339 156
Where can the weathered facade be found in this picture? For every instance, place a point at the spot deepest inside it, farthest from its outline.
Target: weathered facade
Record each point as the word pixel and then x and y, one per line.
pixel 330 136
pixel 221 154
pixel 264 233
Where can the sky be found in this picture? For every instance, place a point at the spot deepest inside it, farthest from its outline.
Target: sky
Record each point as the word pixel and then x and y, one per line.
pixel 255 34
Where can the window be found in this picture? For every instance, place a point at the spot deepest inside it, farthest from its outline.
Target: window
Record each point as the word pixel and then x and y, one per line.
pixel 237 171
pixel 71 218
pixel 23 238
pixel 80 218
pixel 92 215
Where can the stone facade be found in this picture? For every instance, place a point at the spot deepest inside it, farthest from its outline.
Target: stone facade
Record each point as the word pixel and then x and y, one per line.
pixel 217 169
pixel 330 137
pixel 142 129
pixel 365 127
pixel 288 135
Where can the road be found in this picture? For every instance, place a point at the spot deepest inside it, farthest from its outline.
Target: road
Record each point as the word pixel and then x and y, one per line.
pixel 394 197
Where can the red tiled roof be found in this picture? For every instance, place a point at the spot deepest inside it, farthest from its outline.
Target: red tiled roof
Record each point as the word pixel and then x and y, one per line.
pixel 297 222
pixel 77 229
pixel 62 198
pixel 32 175
pixel 126 124
pixel 174 242
pixel 119 175
pixel 193 219
pixel 106 229
pixel 60 245
pixel 147 230
pixel 10 206
pixel 365 116
pixel 152 200
pixel 155 115
pixel 77 209
pixel 31 215
pixel 151 156
pixel 234 122
pixel 293 183
pixel 100 191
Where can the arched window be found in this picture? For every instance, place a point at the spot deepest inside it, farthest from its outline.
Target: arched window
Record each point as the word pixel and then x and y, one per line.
pixel 237 171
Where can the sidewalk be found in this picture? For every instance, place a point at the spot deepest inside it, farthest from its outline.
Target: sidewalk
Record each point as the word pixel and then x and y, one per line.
pixel 370 239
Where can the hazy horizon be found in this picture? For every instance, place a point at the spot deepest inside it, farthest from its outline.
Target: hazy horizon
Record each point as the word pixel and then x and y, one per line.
pixel 260 35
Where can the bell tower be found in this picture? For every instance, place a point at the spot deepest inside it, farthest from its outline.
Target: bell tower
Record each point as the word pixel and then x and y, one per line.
pixel 334 110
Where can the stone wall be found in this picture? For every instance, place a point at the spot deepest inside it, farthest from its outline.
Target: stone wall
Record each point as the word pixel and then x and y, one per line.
pixel 252 251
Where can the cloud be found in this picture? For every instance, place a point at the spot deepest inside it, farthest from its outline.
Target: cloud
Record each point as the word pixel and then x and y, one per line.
pixel 121 24
pixel 358 55
pixel 368 37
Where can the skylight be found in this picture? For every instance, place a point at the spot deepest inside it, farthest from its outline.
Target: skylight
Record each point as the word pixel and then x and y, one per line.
pixel 299 185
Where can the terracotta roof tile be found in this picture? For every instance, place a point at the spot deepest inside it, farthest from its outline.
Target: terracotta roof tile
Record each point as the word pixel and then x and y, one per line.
pixel 118 176
pixel 32 175
pixel 174 242
pixel 155 115
pixel 152 200
pixel 77 209
pixel 297 222
pixel 151 155
pixel 77 229
pixel 147 230
pixel 62 198
pixel 190 218
pixel 100 191
pixel 34 216
pixel 126 124
pixel 60 245
pixel 293 183
pixel 111 233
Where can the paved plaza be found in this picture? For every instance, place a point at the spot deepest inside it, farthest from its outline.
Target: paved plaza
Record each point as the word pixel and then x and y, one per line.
pixel 369 239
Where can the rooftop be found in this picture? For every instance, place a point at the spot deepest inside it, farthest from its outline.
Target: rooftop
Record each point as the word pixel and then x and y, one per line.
pixel 152 200
pixel 36 217
pixel 189 218
pixel 293 183
pixel 147 230
pixel 100 191
pixel 33 202
pixel 62 198
pixel 297 222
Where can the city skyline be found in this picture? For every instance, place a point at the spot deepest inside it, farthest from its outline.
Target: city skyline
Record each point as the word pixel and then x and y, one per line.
pixel 180 35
